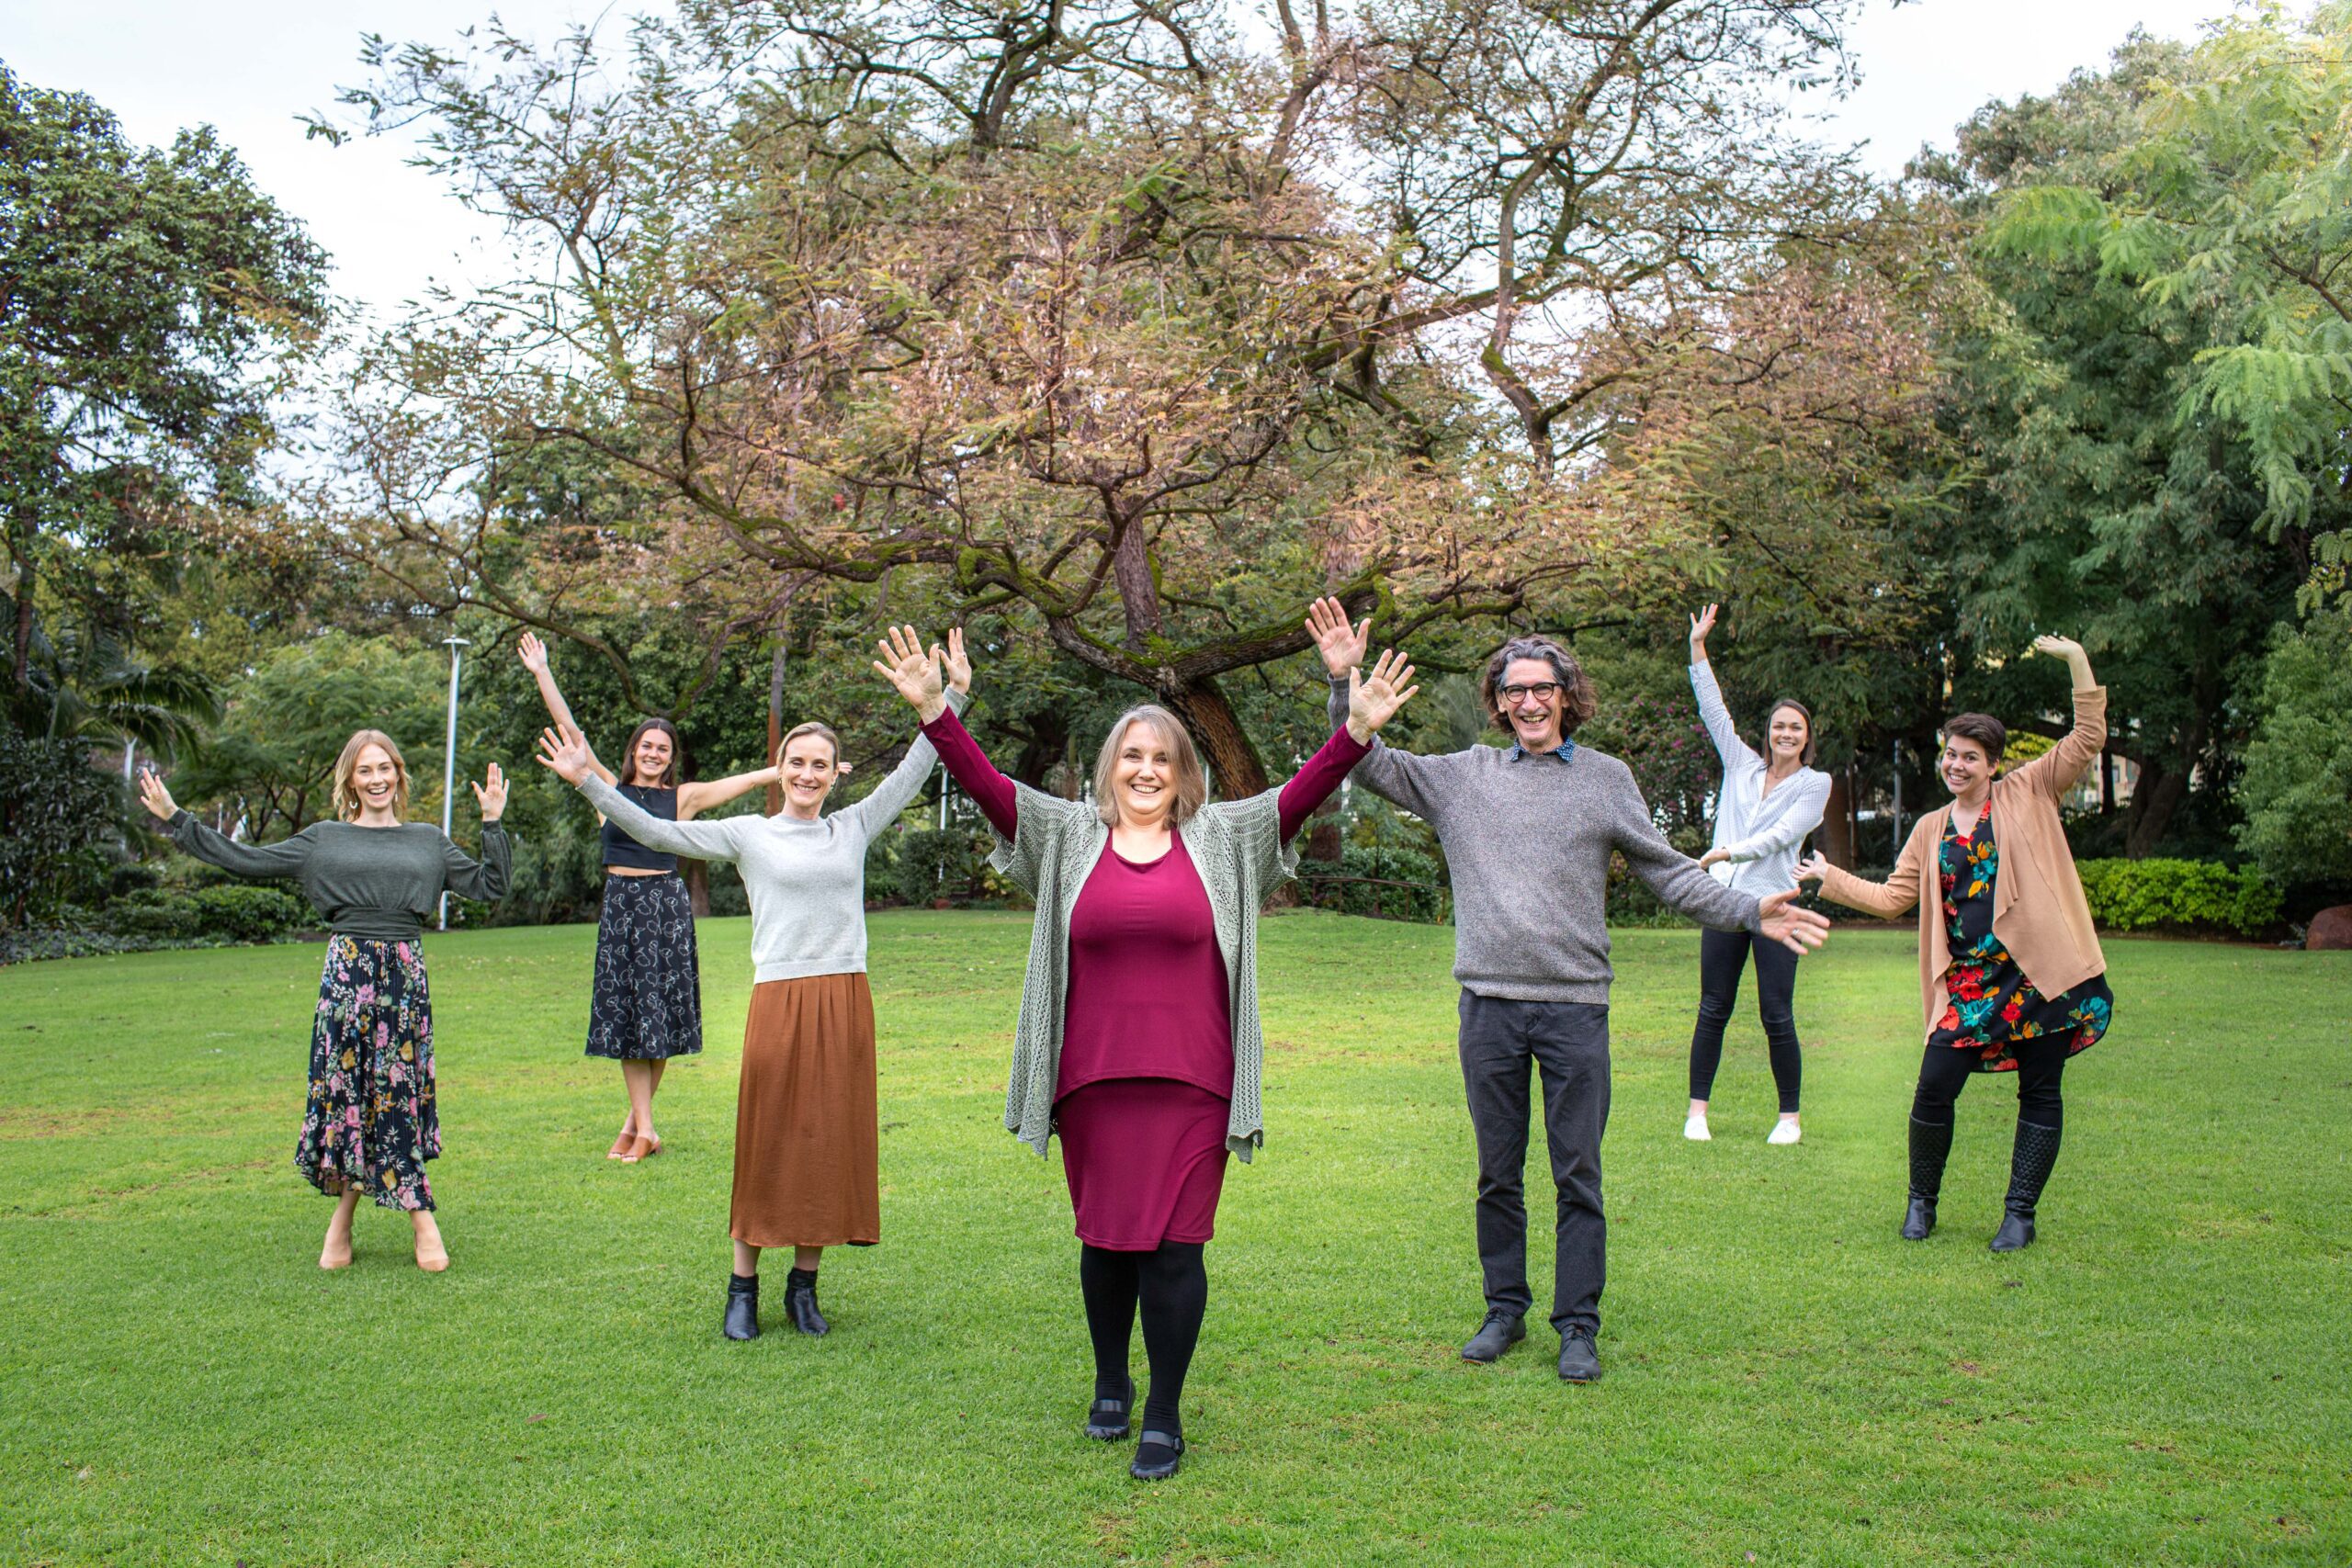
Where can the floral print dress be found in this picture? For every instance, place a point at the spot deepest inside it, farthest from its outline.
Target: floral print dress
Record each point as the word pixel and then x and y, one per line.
pixel 1991 1005
pixel 371 1121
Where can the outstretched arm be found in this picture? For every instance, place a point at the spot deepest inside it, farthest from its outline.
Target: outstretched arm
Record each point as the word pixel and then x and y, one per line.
pixel 1888 899
pixel 566 754
pixel 696 798
pixel 260 861
pixel 2054 772
pixel 969 766
pixel 1729 747
pixel 1373 701
pixel 534 654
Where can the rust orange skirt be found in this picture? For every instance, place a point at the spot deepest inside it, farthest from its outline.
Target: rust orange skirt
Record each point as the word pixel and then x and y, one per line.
pixel 808 1165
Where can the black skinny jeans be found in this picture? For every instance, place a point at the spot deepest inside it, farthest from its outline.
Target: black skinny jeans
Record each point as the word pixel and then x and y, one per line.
pixel 1722 956
pixel 2042 1063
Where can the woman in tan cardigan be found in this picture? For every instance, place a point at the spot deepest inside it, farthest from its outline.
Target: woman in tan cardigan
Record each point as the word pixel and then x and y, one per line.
pixel 2010 970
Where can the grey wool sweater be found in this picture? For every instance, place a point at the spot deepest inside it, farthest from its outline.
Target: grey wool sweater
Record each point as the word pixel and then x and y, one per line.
pixel 1527 839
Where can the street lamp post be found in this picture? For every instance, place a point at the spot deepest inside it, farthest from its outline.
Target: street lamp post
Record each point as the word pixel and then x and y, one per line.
pixel 449 758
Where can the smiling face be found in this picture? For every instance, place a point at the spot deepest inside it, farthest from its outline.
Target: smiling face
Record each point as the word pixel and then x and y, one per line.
pixel 1143 775
pixel 809 767
pixel 1967 771
pixel 650 762
pixel 375 781
pixel 1788 733
pixel 1534 713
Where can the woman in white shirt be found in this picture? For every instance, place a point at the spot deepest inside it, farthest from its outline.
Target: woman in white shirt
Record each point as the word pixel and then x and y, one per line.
pixel 1768 805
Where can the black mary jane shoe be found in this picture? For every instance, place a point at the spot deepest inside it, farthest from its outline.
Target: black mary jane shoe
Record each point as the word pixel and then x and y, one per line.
pixel 742 1320
pixel 2016 1233
pixel 1158 1455
pixel 800 1303
pixel 1106 1419
pixel 1919 1219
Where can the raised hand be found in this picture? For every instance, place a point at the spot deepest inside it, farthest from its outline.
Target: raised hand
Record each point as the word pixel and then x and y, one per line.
pixel 1813 867
pixel 1374 699
pixel 954 661
pixel 491 795
pixel 534 654
pixel 906 666
pixel 154 796
pixel 1798 931
pixel 1701 625
pixel 1343 646
pixel 2057 647
pixel 564 752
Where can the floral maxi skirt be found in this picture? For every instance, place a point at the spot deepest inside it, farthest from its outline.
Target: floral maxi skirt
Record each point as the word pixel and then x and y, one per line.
pixel 372 1122
pixel 647 1005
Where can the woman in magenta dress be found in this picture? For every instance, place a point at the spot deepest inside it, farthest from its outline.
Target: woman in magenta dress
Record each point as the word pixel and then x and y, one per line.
pixel 1138 1038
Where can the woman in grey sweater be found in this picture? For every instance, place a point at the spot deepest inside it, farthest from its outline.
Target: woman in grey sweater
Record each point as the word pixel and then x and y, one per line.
pixel 808 1136
pixel 372 1120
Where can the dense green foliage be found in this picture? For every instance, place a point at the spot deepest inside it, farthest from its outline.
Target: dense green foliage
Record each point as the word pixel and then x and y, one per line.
pixel 59 821
pixel 2179 895
pixel 2298 784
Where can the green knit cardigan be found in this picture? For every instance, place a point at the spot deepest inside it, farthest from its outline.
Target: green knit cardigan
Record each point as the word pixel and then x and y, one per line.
pixel 1238 850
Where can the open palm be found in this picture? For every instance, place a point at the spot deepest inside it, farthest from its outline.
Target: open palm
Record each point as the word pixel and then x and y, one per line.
pixel 564 752
pixel 1374 699
pixel 1341 645
pixel 908 667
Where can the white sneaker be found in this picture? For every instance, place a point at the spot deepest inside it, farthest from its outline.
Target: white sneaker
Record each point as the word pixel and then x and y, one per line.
pixel 1784 1131
pixel 1695 1129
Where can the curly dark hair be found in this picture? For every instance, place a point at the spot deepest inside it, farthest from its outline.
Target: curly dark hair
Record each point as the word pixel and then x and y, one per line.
pixel 1578 702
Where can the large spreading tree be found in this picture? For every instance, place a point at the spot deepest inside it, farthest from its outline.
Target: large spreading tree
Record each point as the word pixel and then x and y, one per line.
pixel 1140 327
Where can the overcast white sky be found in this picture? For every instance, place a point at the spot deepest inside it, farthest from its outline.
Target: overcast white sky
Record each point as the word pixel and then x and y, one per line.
pixel 250 67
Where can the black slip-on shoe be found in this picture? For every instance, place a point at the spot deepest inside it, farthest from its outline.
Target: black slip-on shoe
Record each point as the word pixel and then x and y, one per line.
pixel 1159 1455
pixel 1106 1419
pixel 742 1320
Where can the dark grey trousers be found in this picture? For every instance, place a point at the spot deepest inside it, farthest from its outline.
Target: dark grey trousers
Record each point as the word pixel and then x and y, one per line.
pixel 1569 1043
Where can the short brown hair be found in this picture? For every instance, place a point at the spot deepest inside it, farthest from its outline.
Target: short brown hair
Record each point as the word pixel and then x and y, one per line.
pixel 1578 702
pixel 1192 783
pixel 346 797
pixel 1812 741
pixel 1982 728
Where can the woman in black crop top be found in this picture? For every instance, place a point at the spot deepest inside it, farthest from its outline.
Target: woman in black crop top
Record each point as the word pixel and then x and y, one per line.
pixel 645 1005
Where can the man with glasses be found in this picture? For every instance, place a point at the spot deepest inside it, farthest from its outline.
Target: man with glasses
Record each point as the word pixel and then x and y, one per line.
pixel 1528 832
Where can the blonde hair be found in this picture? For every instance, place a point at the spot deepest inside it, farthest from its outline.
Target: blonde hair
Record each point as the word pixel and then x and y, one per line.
pixel 1191 784
pixel 811 728
pixel 346 797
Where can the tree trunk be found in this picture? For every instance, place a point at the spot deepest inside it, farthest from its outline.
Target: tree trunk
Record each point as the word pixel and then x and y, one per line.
pixel 2159 793
pixel 1837 823
pixel 775 727
pixel 697 886
pixel 1047 743
pixel 1203 710
pixel 21 646
pixel 1323 841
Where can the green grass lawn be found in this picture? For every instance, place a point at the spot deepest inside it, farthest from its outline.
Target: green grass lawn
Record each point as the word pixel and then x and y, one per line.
pixel 2162 1377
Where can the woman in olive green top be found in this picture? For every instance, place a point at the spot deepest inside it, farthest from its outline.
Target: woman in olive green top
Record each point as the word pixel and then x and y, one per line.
pixel 371 1122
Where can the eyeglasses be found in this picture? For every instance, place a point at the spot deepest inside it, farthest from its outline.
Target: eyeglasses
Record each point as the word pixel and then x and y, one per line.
pixel 1543 691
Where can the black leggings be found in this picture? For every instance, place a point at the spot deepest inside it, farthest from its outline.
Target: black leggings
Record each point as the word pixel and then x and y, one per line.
pixel 1171 1285
pixel 1722 956
pixel 2041 1062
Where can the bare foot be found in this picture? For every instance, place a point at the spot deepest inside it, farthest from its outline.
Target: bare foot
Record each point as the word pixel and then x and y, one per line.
pixel 335 1253
pixel 431 1256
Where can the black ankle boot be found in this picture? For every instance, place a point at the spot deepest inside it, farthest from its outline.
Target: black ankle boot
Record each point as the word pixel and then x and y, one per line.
pixel 742 1320
pixel 2031 1159
pixel 800 1302
pixel 1930 1145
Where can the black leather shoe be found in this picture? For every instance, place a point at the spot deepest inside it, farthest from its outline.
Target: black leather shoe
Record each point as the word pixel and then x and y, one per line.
pixel 1498 1334
pixel 1158 1455
pixel 1106 1419
pixel 2016 1233
pixel 800 1303
pixel 1579 1362
pixel 1919 1218
pixel 742 1321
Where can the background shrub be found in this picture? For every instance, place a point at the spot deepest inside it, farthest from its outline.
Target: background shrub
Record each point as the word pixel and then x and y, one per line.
pixel 2182 895
pixel 1427 899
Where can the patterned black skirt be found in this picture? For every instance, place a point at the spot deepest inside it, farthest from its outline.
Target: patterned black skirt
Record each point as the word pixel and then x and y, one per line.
pixel 371 1122
pixel 648 1002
